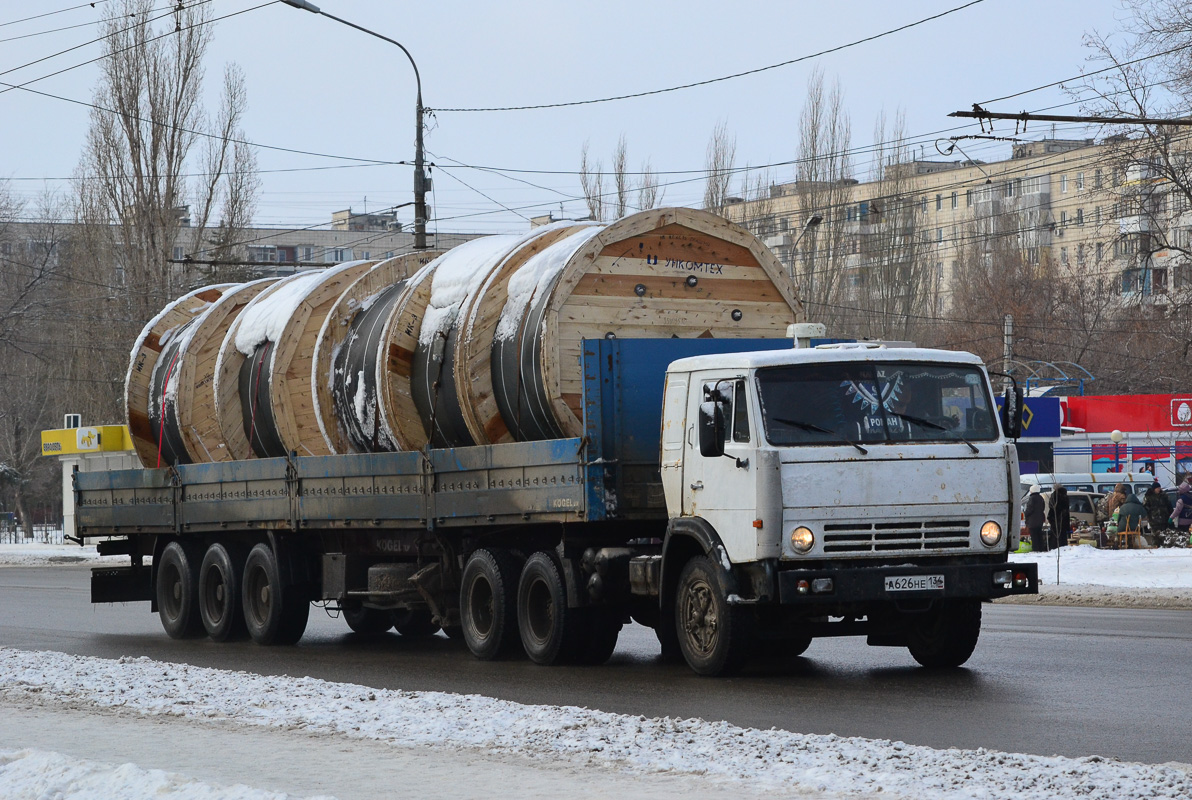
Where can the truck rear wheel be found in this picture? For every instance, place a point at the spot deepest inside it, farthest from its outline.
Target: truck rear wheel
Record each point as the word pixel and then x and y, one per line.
pixel 550 631
pixel 178 592
pixel 488 604
pixel 601 632
pixel 414 623
pixel 946 636
pixel 275 614
pixel 714 636
pixel 367 621
pixel 220 584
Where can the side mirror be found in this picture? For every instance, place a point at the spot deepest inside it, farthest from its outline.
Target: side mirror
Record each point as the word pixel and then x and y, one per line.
pixel 711 429
pixel 1012 412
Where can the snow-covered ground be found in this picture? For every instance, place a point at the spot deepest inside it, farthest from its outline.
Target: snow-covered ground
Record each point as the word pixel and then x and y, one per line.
pixel 38 554
pixel 1164 568
pixel 564 741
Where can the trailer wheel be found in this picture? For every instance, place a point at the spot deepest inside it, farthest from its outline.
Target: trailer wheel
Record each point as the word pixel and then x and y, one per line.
pixel 488 604
pixel 946 636
pixel 220 584
pixel 714 636
pixel 414 623
pixel 550 631
pixel 367 621
pixel 275 614
pixel 178 592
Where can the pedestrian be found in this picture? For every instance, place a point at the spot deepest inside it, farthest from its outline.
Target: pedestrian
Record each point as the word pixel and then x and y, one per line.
pixel 1060 517
pixel 1158 511
pixel 1181 515
pixel 1117 498
pixel 1033 517
pixel 1130 514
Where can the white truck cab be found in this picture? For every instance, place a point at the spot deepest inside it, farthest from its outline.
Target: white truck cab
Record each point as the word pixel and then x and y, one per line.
pixel 872 484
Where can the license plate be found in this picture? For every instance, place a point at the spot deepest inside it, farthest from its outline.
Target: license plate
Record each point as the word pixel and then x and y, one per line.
pixel 914 583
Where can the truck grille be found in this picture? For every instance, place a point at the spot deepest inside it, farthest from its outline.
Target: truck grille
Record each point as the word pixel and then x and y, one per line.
pixel 879 537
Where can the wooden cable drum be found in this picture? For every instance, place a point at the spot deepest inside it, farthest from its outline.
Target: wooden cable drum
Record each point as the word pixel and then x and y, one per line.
pixel 148 407
pixel 263 392
pixel 197 422
pixel 349 357
pixel 662 273
pixel 459 277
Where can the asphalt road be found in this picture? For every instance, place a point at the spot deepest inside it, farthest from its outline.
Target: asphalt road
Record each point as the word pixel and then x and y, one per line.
pixel 1044 680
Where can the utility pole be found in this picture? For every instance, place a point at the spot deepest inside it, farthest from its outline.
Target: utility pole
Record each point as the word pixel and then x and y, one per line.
pixel 1007 347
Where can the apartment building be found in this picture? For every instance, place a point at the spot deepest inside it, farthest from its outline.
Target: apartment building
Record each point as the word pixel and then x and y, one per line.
pixel 1072 203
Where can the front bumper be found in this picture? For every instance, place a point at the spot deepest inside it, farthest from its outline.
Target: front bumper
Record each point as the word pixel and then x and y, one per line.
pixel 861 584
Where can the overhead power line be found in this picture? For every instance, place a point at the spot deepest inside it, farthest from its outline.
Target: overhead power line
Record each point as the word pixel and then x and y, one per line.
pixel 51 13
pixel 650 92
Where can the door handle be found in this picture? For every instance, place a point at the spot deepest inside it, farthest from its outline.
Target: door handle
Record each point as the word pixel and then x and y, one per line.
pixel 697 485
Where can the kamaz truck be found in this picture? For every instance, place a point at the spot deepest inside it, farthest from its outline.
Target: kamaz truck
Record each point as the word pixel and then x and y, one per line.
pixel 738 496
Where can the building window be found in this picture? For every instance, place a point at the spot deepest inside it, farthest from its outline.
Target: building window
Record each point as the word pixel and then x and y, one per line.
pixel 939 202
pixel 389 254
pixel 1064 256
pixel 1097 215
pixel 1010 188
pixel 1063 184
pixel 178 253
pixel 1080 181
pixel 308 253
pixel 1158 281
pixel 955 203
pixel 1063 218
pixel 923 201
pixel 1080 255
pixel 968 198
pixel 848 214
pixel 1097 180
pixel 939 234
pixel 1100 251
pixel 1080 216
pixel 366 255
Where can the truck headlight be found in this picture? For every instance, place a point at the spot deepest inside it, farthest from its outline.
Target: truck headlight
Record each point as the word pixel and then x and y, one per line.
pixel 802 539
pixel 991 533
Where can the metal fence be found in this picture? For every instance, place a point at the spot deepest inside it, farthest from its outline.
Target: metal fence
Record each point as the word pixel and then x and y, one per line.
pixel 11 533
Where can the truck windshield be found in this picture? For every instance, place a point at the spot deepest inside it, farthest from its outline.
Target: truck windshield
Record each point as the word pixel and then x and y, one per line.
pixel 874 402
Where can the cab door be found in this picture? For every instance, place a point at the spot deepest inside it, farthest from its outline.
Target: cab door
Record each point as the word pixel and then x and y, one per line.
pixel 723 490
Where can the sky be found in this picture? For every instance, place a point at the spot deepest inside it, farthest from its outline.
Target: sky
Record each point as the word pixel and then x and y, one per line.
pixel 317 85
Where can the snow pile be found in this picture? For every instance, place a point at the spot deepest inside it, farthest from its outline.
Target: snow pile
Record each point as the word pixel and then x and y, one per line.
pixel 538 271
pixel 770 759
pixel 266 316
pixel 458 274
pixel 1164 568
pixel 37 774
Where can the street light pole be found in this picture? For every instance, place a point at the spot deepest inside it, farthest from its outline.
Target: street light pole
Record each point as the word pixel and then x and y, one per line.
pixel 812 221
pixel 1116 437
pixel 420 212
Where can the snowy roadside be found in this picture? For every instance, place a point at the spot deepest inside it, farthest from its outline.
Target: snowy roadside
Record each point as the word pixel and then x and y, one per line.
pixel 36 554
pixel 1159 578
pixel 725 756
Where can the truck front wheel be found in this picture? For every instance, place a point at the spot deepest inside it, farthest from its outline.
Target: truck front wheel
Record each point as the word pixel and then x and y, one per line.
pixel 488 604
pixel 714 636
pixel 275 614
pixel 946 636
pixel 178 592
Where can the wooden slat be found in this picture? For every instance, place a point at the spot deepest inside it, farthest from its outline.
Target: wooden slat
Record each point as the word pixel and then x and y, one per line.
pixel 400 338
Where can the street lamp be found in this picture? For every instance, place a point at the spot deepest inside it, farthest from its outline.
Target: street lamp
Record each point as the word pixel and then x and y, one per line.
pixel 419 172
pixel 812 221
pixel 1116 437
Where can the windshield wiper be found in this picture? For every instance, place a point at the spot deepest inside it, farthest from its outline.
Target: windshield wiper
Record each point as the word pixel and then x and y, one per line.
pixel 928 423
pixel 808 426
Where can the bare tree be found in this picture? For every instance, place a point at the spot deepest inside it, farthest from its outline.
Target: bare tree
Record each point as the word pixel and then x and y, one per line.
pixel 24 412
pixel 648 192
pixel 621 179
pixel 30 253
pixel 591 180
pixel 891 285
pixel 824 186
pixel 718 166
pixel 132 178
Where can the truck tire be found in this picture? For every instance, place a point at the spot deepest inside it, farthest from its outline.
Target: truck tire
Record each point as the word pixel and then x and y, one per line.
pixel 274 614
pixel 946 636
pixel 551 633
pixel 414 623
pixel 714 636
pixel 178 592
pixel 488 604
pixel 367 621
pixel 220 584
pixel 601 632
